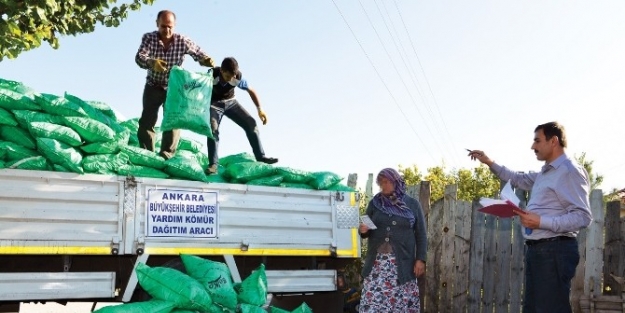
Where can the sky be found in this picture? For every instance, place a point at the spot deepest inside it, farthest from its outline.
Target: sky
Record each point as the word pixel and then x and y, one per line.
pixel 356 86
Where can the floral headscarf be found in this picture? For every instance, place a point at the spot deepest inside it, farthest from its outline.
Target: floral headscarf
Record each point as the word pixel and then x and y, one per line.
pixel 394 203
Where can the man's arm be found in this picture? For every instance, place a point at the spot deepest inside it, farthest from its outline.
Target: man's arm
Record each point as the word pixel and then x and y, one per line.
pixel 142 58
pixel 196 52
pixel 572 192
pixel 520 180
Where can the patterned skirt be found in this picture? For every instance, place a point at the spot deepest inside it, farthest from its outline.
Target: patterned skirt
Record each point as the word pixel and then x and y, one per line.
pixel 382 294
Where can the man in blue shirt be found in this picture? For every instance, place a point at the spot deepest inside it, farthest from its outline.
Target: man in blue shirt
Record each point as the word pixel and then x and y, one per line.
pixel 557 209
pixel 223 102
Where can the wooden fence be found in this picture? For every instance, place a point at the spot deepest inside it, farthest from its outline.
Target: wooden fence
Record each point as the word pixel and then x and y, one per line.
pixel 475 261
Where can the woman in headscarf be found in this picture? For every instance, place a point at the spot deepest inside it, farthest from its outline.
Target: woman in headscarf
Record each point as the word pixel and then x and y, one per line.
pixel 396 248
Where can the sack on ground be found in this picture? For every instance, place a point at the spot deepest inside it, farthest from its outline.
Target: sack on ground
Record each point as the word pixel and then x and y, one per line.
pixel 214 276
pixel 253 289
pixel 187 105
pixel 151 306
pixel 174 286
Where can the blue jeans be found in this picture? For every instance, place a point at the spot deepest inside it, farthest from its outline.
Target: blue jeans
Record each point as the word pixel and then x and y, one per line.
pixel 233 110
pixel 549 268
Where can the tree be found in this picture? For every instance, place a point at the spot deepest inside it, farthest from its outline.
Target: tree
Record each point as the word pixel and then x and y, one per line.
pixel 595 179
pixel 25 24
pixel 472 184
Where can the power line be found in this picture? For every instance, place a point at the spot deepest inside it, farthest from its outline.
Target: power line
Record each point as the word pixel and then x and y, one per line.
pixel 424 76
pixel 381 79
pixel 412 74
pixel 398 74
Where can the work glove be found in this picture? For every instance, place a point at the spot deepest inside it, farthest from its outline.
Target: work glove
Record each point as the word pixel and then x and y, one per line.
pixel 262 116
pixel 159 65
pixel 208 62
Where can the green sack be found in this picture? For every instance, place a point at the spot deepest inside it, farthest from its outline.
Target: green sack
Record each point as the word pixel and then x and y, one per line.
pixel 19 88
pixel 61 106
pixel 303 308
pixel 190 145
pixel 140 171
pixel 95 113
pixel 37 163
pixel 14 151
pixel 185 311
pixel 323 180
pixel 174 286
pixel 273 309
pixel 59 168
pixel 2 165
pixel 151 306
pixel 104 163
pixel 296 185
pixel 236 158
pixel 214 276
pixel 198 157
pixel 6 118
pixel 244 172
pixel 184 168
pixel 109 147
pixel 18 136
pixel 60 153
pixel 89 129
pixel 273 180
pixel 105 109
pixel 12 100
pixel 132 125
pixel 248 308
pixel 187 104
pixel 293 175
pixel 340 187
pixel 61 133
pixel 25 117
pixel 140 156
pixel 253 289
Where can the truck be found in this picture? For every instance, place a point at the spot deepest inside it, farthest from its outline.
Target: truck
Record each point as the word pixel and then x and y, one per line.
pixel 78 237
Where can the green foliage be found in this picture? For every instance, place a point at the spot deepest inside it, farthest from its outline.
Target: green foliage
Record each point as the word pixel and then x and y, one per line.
pixel 25 24
pixel 595 179
pixel 472 184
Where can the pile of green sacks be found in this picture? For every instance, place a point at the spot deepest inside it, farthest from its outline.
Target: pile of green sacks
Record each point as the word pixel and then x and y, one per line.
pixel 40 131
pixel 207 287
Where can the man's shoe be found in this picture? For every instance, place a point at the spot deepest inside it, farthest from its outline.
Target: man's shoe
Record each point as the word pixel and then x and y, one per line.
pixel 267 160
pixel 164 155
pixel 211 169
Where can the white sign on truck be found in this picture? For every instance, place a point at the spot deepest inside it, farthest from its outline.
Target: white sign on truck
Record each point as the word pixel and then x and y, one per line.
pixel 182 213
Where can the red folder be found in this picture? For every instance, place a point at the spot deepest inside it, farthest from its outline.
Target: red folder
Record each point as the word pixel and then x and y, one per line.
pixel 507 209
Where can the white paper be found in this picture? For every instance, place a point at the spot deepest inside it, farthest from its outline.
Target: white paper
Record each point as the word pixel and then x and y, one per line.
pixel 508 194
pixel 367 221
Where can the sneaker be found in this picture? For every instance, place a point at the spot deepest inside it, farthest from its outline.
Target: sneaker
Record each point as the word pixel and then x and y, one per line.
pixel 211 169
pixel 267 160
